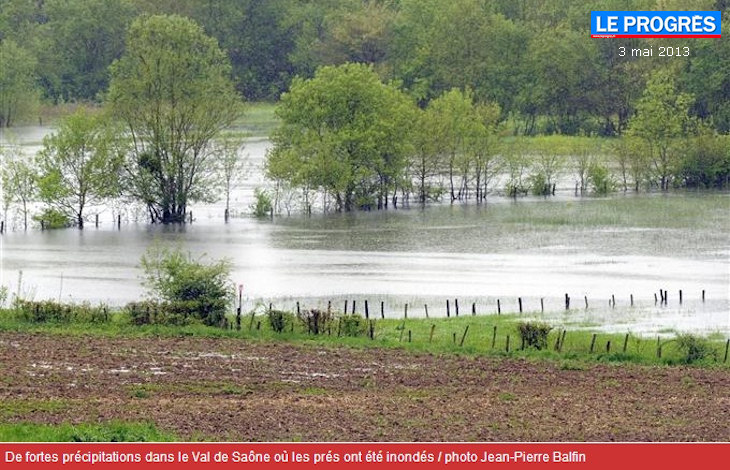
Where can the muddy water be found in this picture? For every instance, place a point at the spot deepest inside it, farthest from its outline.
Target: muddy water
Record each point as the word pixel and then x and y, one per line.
pixel 533 248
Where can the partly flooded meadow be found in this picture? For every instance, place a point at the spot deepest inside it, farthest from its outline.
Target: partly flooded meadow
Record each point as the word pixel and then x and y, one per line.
pixel 600 251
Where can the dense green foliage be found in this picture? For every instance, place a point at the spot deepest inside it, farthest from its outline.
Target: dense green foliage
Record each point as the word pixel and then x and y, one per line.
pixel 533 58
pixel 54 312
pixel 534 335
pixel 17 90
pixel 262 206
pixel 184 288
pixel 343 132
pixel 50 218
pixel 79 165
pixel 171 89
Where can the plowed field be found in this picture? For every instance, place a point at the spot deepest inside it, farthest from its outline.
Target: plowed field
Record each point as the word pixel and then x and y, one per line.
pixel 225 389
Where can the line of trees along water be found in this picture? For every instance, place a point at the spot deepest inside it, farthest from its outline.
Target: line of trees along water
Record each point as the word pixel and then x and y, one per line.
pixel 531 57
pixel 433 116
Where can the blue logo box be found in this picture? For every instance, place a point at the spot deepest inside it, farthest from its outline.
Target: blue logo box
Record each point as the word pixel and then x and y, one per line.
pixel 655 24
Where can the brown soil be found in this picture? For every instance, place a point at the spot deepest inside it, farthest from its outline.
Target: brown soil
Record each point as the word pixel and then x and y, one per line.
pixel 224 389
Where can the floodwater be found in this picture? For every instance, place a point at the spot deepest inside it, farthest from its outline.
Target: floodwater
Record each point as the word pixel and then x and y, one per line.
pixel 534 248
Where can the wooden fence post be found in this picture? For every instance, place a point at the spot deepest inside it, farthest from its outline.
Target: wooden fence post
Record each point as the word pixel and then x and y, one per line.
pixel 626 342
pixel 425 307
pixel 448 310
pixel 494 336
pixel 367 312
pixel 499 308
pixel 466 330
pixel 519 301
pixel 593 342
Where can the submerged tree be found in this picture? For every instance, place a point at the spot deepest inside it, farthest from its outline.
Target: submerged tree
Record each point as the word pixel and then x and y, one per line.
pixel 19 182
pixel 344 132
pixel 79 165
pixel 173 91
pixel 661 119
pixel 453 119
pixel 231 165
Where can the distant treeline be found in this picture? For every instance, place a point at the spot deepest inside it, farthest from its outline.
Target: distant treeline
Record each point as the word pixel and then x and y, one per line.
pixel 533 58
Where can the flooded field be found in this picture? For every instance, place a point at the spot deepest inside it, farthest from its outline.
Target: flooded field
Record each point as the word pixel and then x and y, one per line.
pixel 532 248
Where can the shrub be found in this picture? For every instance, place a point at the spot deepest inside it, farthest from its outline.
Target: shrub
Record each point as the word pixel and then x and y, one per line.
pixel 352 325
pixel 534 335
pixel 187 287
pixel 539 185
pixel 279 320
pixel 601 180
pixel 263 206
pixel 48 311
pixel 705 162
pixel 316 321
pixel 150 312
pixel 694 348
pixel 53 219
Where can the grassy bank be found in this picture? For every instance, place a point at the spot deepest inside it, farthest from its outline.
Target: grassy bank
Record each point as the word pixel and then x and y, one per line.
pixel 113 431
pixel 480 335
pixel 258 119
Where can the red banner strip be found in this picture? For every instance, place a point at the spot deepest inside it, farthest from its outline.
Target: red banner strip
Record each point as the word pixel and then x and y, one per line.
pixel 162 456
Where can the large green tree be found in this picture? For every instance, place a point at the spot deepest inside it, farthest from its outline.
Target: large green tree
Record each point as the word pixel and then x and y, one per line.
pixel 172 89
pixel 79 165
pixel 17 82
pixel 662 118
pixel 453 122
pixel 77 42
pixel 345 133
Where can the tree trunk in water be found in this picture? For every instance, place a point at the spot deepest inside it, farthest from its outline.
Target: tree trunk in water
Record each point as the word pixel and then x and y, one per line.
pixel 451 181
